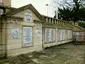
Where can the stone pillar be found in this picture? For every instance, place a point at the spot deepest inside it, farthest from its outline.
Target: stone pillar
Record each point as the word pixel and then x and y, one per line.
pixel 3 37
pixel 5 3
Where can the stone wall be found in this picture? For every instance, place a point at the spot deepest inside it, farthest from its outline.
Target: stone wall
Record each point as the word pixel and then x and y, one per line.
pixel 6 3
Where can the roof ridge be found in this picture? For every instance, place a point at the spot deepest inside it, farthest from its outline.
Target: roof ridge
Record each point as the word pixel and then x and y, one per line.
pixel 16 10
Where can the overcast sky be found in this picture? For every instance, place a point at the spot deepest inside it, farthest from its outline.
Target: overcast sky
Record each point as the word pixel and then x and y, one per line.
pixel 38 4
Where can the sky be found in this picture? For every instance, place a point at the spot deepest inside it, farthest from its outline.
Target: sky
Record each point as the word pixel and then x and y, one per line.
pixel 40 5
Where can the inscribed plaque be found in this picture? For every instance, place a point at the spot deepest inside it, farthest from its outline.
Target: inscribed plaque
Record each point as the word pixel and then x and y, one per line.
pixel 15 33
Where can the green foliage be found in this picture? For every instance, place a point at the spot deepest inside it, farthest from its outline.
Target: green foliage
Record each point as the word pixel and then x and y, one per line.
pixel 75 13
pixel 65 14
pixel 82 24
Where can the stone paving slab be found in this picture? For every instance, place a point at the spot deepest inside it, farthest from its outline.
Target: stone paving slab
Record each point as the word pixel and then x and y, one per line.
pixel 63 54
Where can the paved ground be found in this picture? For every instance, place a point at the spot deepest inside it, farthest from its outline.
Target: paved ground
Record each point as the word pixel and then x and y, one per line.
pixel 64 54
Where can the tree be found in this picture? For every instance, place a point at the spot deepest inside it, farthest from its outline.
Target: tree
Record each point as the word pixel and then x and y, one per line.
pixel 65 14
pixel 72 10
pixel 82 24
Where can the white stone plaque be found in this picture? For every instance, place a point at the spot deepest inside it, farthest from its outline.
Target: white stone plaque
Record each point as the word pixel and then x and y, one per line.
pixel 15 33
pixel 49 34
pixel 27 34
pixel 28 17
pixel 61 35
pixel 1 11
